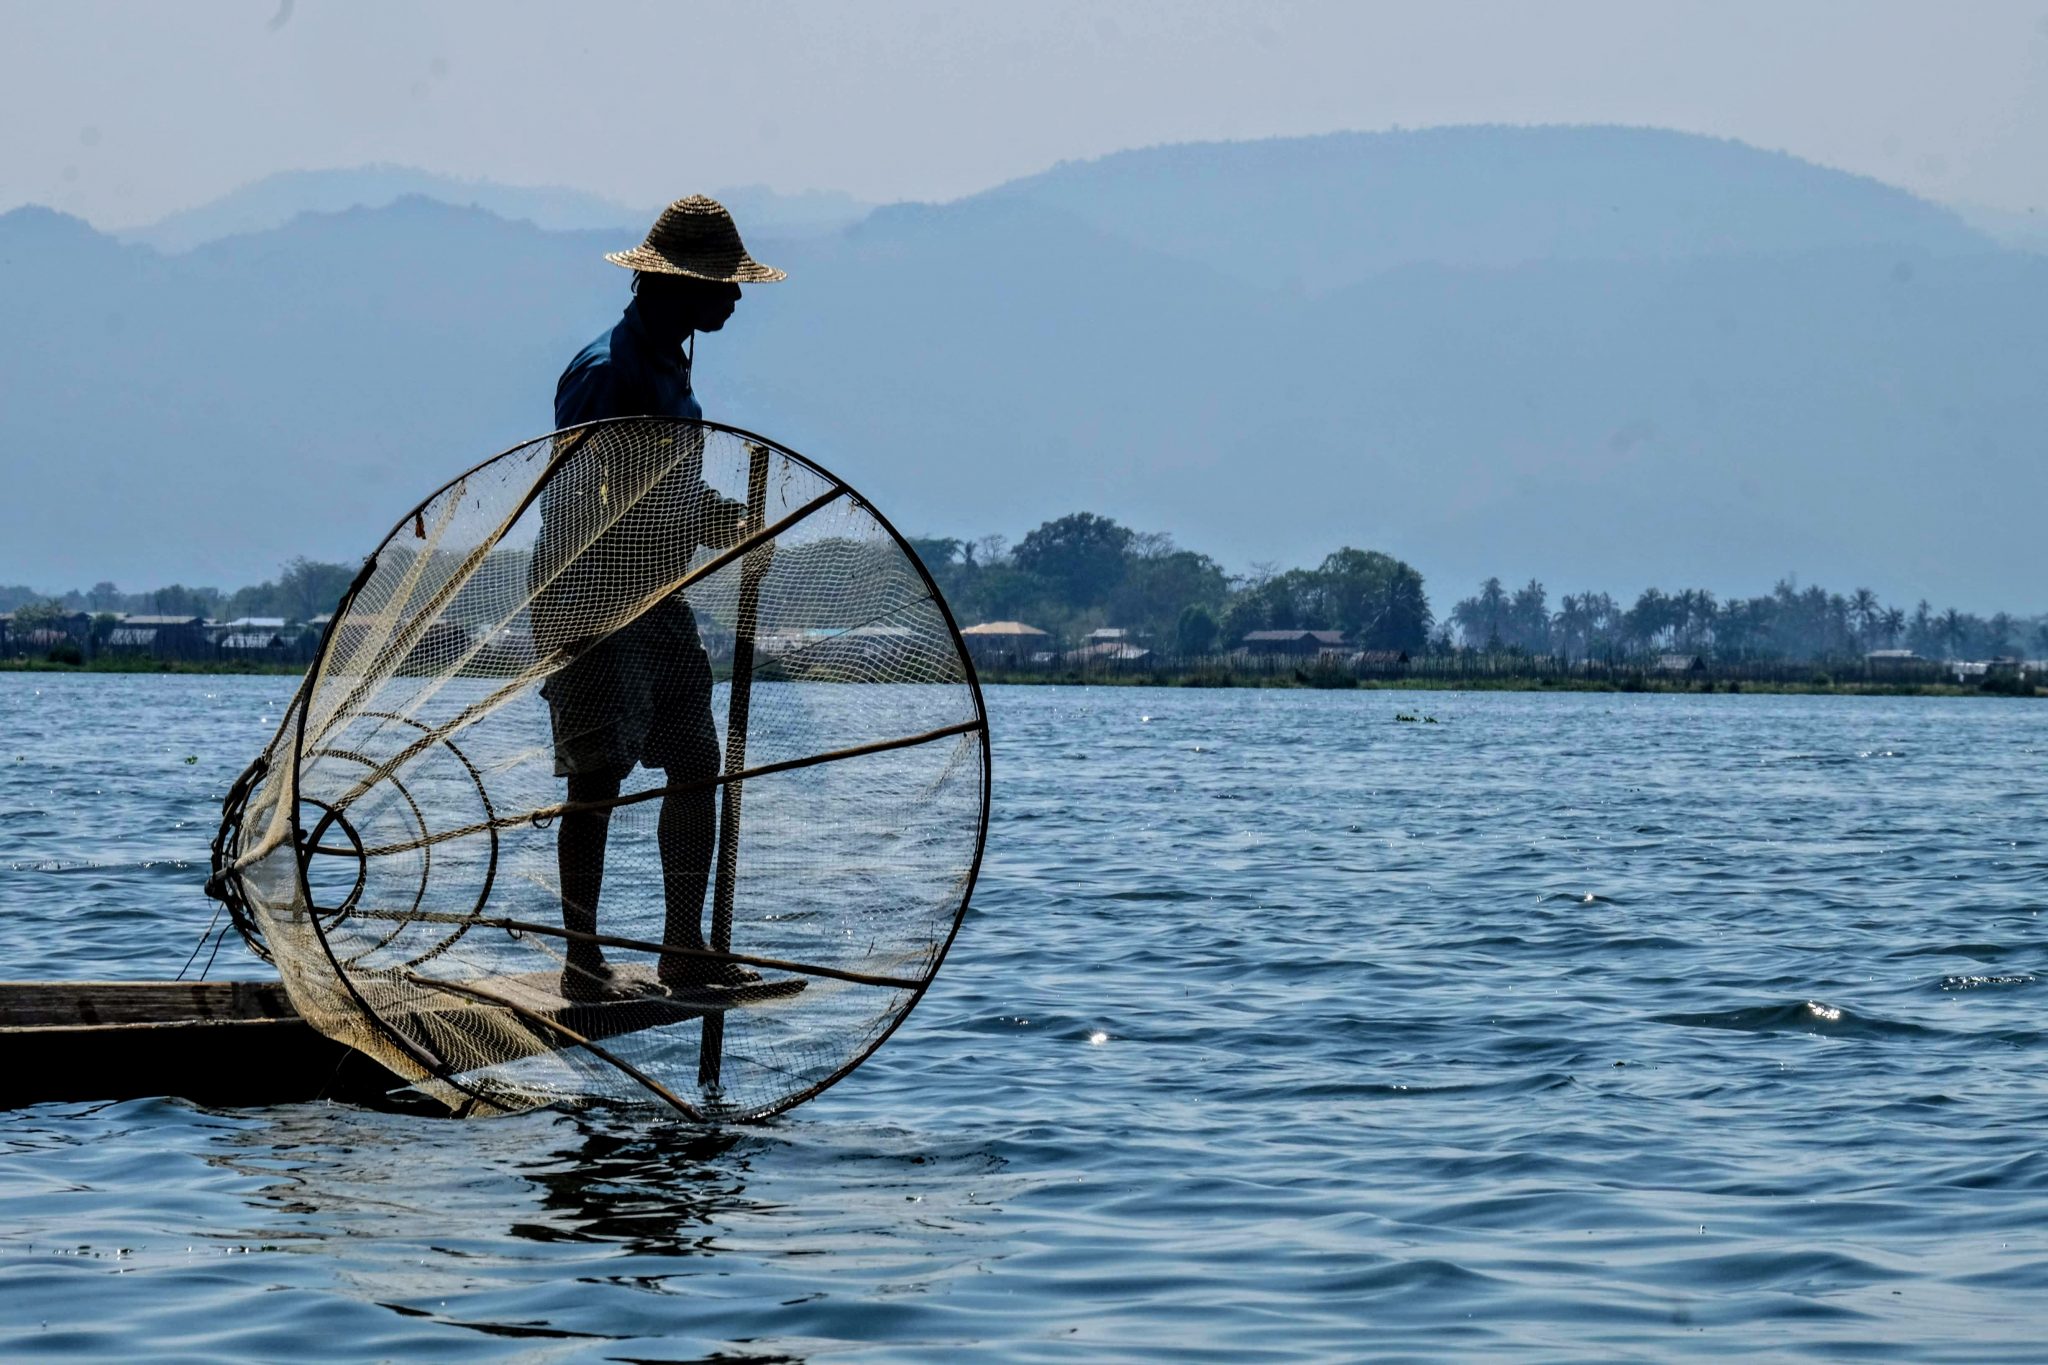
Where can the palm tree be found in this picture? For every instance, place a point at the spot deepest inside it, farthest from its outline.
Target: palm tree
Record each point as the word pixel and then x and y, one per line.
pixel 1698 607
pixel 1572 630
pixel 1735 627
pixel 1924 635
pixel 1493 607
pixel 1651 616
pixel 1894 625
pixel 1864 611
pixel 1952 630
pixel 1835 634
pixel 1529 618
pixel 1479 619
pixel 2000 640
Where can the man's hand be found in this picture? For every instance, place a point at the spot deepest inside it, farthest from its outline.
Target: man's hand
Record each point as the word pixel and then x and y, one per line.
pixel 737 526
pixel 724 522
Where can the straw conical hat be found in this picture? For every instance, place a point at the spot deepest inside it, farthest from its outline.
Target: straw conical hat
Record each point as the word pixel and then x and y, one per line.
pixel 696 237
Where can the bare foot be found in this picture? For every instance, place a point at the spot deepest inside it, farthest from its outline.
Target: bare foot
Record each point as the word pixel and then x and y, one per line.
pixel 680 973
pixel 587 984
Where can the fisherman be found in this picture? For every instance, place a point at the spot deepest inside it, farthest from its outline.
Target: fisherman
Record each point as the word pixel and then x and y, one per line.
pixel 642 694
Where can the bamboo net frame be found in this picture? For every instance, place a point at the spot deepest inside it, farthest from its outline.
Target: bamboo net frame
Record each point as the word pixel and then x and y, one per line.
pixel 670 613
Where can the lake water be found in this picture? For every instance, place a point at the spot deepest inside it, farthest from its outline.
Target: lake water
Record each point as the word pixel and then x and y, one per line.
pixel 1569 1027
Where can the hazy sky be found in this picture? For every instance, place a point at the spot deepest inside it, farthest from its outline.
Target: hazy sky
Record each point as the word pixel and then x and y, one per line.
pixel 124 112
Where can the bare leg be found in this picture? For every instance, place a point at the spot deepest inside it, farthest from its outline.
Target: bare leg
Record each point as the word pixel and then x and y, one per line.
pixel 689 828
pixel 689 835
pixel 579 855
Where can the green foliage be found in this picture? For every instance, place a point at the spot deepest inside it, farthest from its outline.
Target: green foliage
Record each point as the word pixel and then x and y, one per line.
pixel 179 600
pixel 1195 632
pixel 1275 604
pixel 1081 571
pixel 44 615
pixel 1157 590
pixel 307 588
pixel 1787 624
pixel 1081 557
pixel 1480 618
pixel 1374 598
pixel 939 553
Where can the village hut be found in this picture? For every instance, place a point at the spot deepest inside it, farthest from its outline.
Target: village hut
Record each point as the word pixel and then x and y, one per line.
pixel 1300 643
pixel 1107 651
pixel 1003 641
pixel 70 629
pixel 1380 661
pixel 159 636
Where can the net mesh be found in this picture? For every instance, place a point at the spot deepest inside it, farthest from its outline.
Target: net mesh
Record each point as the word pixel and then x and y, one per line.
pixel 644 759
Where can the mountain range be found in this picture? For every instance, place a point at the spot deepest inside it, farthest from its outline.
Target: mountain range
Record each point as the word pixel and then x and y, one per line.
pixel 275 200
pixel 1603 357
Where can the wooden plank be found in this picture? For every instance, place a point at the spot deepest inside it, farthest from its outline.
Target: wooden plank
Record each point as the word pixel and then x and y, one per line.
pixel 228 1043
pixel 541 993
pixel 236 1043
pixel 32 1003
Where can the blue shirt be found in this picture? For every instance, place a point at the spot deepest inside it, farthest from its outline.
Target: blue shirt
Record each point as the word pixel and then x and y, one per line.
pixel 625 373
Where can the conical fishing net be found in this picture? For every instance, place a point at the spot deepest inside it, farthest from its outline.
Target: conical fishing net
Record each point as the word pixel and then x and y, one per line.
pixel 643 760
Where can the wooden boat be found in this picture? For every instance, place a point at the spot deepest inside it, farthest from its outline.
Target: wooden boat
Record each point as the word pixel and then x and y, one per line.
pixel 218 1042
pixel 237 1043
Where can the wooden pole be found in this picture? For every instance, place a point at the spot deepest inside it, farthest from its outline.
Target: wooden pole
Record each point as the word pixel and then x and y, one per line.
pixel 711 1054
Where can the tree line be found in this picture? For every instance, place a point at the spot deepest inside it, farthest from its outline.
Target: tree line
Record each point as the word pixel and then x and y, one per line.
pixel 1789 623
pixel 1081 571
pixel 304 588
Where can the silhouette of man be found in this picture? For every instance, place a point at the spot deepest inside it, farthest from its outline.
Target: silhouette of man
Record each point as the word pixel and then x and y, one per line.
pixel 641 694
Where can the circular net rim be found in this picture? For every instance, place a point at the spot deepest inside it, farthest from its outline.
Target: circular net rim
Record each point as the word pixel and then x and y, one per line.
pixel 225 847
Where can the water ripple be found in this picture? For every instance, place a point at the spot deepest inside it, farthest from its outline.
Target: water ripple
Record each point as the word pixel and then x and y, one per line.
pixel 1572 1027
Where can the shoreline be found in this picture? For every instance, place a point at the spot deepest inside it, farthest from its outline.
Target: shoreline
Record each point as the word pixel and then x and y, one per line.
pixel 1305 680
pixel 125 665
pixel 1427 683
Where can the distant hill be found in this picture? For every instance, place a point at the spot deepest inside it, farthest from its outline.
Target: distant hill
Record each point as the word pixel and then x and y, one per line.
pixel 1863 409
pixel 2022 231
pixel 276 199
pixel 1318 213
pixel 1864 414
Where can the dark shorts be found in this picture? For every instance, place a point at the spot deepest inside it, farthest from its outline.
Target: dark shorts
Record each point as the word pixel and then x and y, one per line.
pixel 642 695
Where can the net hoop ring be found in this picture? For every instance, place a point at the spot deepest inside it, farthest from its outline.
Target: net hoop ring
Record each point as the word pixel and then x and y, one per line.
pixel 400 923
pixel 225 882
pixel 330 818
